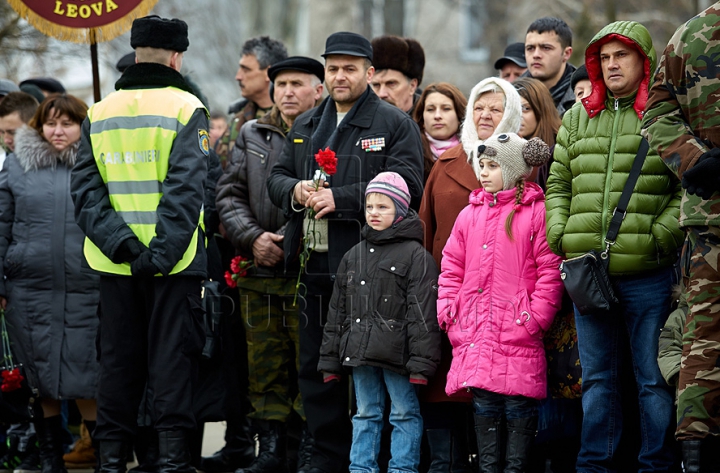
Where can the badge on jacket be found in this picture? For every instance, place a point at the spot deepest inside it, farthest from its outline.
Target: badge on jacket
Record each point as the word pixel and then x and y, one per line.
pixel 204 142
pixel 373 144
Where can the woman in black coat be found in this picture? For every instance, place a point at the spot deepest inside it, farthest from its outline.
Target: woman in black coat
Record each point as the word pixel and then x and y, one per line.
pixel 50 298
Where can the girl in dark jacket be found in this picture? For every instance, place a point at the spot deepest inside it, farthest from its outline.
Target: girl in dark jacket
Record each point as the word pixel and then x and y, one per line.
pixel 382 325
pixel 50 300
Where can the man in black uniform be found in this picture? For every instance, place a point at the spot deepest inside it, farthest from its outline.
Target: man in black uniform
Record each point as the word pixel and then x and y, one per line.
pixel 138 193
pixel 368 136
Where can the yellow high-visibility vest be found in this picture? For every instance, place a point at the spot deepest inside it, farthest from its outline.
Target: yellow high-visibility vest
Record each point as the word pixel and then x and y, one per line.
pixel 132 132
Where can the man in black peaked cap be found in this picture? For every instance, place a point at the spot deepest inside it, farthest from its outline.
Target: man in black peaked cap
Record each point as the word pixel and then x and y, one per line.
pixel 368 136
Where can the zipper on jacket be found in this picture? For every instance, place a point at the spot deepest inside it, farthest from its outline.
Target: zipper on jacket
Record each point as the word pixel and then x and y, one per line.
pixel 260 155
pixel 609 172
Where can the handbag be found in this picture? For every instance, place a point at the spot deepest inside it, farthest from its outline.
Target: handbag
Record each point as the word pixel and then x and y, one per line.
pixel 586 277
pixel 564 372
pixel 17 398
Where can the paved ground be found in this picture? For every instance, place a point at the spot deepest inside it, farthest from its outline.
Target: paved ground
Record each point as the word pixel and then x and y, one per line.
pixel 212 442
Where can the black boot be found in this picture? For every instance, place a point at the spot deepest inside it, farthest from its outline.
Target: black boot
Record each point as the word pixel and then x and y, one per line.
pixel 305 449
pixel 520 437
pixel 460 460
pixel 238 452
pixel 113 455
pixel 173 453
pixel 691 455
pixel 146 451
pixel 440 446
pixel 271 454
pixel 489 440
pixel 50 433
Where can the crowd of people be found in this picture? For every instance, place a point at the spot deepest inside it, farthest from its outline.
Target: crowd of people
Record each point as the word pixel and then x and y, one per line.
pixel 163 266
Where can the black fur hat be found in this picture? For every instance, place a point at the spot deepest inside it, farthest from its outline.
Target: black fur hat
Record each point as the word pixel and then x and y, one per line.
pixel 402 54
pixel 163 33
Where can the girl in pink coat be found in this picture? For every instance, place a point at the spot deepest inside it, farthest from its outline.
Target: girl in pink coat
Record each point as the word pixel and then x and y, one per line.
pixel 499 290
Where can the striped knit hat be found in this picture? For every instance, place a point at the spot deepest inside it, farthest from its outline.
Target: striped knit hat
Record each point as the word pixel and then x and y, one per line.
pixel 392 185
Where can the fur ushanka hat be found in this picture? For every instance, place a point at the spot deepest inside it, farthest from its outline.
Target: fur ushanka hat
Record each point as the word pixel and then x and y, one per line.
pixel 162 33
pixel 402 54
pixel 515 155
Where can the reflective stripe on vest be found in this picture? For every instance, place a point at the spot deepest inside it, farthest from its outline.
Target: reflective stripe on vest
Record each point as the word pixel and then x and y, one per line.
pixel 132 133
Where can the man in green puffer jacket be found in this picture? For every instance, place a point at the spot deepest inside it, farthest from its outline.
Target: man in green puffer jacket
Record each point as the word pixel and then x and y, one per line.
pixel 595 149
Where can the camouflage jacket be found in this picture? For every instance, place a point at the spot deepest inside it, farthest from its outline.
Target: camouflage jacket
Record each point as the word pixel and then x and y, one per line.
pixel 226 143
pixel 681 120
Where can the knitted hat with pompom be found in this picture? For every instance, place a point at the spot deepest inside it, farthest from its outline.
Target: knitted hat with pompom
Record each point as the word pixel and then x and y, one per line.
pixel 515 155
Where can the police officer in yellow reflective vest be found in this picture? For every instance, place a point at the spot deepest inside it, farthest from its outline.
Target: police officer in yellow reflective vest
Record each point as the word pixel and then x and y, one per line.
pixel 138 193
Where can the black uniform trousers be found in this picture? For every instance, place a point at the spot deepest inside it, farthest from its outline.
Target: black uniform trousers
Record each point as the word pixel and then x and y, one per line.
pixel 326 404
pixel 150 333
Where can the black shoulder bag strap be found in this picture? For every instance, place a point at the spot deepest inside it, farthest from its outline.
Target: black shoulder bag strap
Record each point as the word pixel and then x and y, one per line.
pixel 621 209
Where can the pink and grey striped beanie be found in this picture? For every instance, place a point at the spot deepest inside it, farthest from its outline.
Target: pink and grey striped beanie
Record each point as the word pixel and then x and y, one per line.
pixel 392 185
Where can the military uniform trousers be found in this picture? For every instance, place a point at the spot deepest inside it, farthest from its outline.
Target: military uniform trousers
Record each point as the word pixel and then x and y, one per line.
pixel 151 331
pixel 272 334
pixel 699 381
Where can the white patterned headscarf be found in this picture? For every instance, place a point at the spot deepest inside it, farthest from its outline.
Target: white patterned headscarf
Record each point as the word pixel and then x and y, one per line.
pixel 510 122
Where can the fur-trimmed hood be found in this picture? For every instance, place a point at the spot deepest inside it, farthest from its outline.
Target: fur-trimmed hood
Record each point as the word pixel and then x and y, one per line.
pixel 510 122
pixel 33 152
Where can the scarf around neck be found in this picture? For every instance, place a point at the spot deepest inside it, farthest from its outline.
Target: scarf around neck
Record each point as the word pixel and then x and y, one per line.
pixel 438 147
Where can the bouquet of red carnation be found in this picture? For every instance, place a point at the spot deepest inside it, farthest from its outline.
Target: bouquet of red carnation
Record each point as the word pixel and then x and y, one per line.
pixel 11 379
pixel 239 267
pixel 327 161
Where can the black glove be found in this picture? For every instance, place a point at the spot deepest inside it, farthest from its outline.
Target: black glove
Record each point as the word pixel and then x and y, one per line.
pixel 703 179
pixel 128 251
pixel 143 266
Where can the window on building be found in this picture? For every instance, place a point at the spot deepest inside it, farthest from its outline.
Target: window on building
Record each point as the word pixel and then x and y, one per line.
pixel 473 21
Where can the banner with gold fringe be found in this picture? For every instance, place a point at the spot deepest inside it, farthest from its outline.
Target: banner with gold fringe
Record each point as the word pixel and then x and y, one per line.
pixel 82 21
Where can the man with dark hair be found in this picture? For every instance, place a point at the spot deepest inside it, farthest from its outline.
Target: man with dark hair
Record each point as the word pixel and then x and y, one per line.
pixel 255 227
pixel 368 136
pixel 257 55
pixel 16 110
pixel 596 147
pixel 138 193
pixel 399 64
pixel 548 47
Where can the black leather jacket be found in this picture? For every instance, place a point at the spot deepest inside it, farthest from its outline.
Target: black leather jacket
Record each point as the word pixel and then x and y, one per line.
pixel 243 203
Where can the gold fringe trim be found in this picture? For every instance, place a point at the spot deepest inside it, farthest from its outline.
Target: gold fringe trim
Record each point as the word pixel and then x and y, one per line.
pixel 82 35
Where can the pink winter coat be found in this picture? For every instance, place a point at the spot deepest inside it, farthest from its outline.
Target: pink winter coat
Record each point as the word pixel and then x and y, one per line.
pixel 498 296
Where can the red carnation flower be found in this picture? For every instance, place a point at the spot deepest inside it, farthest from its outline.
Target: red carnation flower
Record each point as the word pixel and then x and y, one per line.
pixel 236 264
pixel 327 161
pixel 11 380
pixel 229 279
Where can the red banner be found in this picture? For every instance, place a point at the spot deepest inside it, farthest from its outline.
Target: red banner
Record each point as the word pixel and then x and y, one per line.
pixel 82 13
pixel 72 20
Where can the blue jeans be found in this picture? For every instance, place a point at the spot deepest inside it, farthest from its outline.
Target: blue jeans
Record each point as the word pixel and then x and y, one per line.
pixel 371 384
pixel 494 405
pixel 644 308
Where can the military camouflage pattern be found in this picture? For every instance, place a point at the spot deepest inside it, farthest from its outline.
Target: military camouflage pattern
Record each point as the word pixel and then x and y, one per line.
pixel 272 333
pixel 682 120
pixel 225 144
pixel 699 382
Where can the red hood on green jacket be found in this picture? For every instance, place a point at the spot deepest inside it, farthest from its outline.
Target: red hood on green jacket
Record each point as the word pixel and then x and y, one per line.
pixel 633 34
